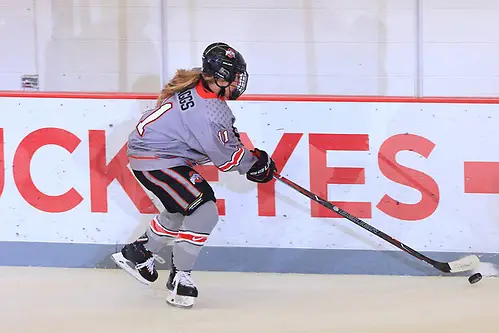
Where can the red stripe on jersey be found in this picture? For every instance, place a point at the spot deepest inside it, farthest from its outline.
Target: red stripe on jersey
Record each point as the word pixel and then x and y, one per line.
pixel 234 161
pixel 143 157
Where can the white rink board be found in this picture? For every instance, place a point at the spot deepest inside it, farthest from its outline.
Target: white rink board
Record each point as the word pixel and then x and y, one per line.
pixel 461 222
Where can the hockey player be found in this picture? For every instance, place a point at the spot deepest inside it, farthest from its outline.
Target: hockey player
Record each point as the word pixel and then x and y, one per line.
pixel 191 125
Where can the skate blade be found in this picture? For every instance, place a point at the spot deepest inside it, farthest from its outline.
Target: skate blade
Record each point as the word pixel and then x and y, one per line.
pixel 122 262
pixel 184 302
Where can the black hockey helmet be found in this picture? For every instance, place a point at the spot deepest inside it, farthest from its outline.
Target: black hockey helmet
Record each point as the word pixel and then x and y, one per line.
pixel 223 62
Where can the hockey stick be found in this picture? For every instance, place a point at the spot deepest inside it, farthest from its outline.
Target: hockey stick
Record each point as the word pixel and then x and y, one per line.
pixel 460 265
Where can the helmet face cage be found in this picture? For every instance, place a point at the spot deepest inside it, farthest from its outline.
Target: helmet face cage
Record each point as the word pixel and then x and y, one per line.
pixel 223 62
pixel 241 86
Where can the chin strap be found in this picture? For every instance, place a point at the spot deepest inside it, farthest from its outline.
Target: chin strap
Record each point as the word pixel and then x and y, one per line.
pixel 221 92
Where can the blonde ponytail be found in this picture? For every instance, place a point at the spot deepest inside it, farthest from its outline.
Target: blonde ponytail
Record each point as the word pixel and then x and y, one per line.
pixel 183 79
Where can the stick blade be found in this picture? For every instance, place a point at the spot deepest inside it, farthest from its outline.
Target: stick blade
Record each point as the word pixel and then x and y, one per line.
pixel 464 264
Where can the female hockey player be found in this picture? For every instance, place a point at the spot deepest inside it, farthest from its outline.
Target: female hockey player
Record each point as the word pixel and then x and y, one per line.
pixel 191 125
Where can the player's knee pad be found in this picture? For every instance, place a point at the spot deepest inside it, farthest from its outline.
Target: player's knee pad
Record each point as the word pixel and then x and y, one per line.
pixel 198 226
pixel 164 230
pixel 205 218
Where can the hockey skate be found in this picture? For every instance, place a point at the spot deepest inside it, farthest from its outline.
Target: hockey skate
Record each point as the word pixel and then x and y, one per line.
pixel 137 261
pixel 183 292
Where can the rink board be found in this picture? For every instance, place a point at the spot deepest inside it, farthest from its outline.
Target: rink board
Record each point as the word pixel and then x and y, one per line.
pixel 239 259
pixel 426 173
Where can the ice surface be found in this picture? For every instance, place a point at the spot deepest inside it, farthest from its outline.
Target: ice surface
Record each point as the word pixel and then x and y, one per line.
pixel 90 300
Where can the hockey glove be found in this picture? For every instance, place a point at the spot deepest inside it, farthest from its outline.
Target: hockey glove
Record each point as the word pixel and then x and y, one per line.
pixel 263 169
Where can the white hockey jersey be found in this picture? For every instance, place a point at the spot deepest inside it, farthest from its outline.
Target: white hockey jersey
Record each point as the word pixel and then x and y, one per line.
pixel 191 128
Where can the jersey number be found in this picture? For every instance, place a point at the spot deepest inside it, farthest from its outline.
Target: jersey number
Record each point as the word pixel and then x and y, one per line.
pixel 153 117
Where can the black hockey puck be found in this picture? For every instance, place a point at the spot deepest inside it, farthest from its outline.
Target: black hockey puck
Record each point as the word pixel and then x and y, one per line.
pixel 475 278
